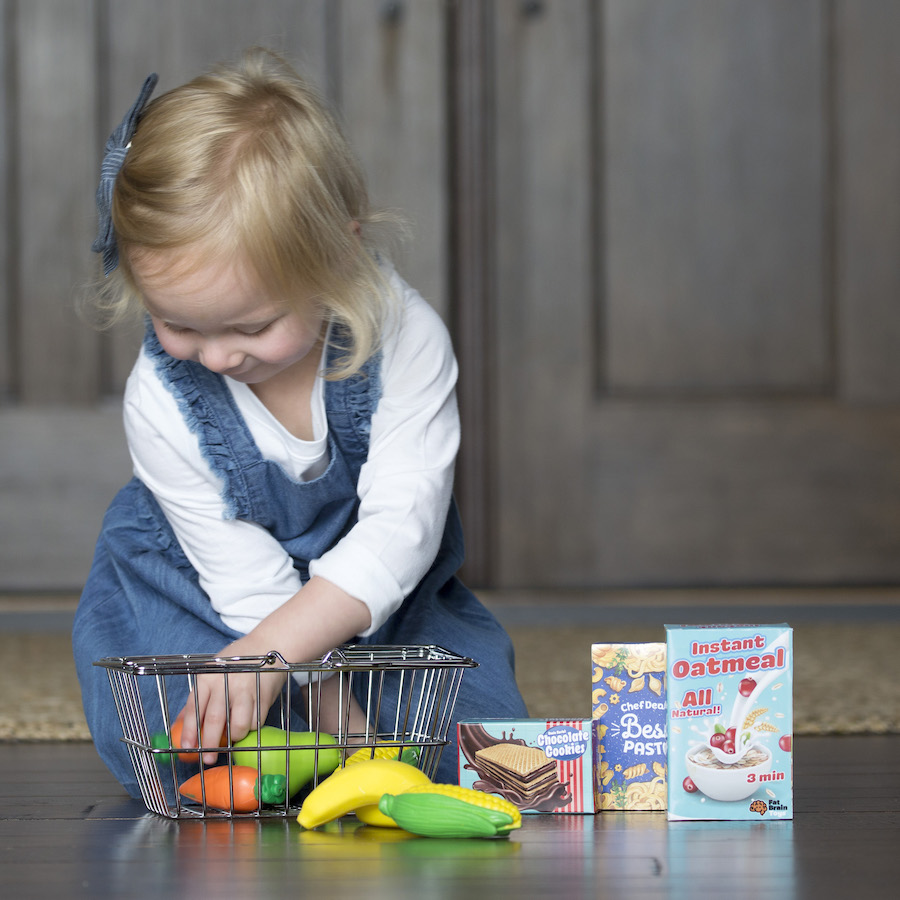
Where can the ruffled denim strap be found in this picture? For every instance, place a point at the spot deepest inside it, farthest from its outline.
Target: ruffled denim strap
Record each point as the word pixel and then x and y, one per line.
pixel 210 412
pixel 114 156
pixel 355 397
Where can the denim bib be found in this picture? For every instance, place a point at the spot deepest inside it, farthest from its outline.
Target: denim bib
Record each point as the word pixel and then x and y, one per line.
pixel 306 517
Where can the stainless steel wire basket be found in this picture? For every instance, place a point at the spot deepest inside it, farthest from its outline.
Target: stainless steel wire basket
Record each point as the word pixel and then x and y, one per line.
pixel 407 693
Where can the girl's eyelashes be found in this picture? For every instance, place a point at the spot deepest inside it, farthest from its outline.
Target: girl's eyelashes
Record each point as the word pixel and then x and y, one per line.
pixel 257 330
pixel 248 332
pixel 175 329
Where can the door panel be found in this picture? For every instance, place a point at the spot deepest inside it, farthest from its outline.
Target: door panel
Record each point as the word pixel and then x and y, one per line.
pixel 683 311
pixel 867 184
pixel 52 157
pixel 714 163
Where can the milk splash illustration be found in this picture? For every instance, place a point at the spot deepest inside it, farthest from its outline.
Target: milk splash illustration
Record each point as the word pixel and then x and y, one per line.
pixel 732 752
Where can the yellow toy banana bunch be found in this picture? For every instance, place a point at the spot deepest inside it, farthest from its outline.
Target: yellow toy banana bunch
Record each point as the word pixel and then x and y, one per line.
pixel 355 787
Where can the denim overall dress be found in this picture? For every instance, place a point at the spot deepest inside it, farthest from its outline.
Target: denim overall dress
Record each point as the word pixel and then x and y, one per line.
pixel 142 596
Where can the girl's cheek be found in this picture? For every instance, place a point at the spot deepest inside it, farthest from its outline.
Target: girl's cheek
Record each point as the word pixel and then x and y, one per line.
pixel 174 346
pixel 287 348
pixel 165 342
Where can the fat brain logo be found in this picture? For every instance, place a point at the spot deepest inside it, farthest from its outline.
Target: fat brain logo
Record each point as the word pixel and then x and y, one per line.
pixel 759 806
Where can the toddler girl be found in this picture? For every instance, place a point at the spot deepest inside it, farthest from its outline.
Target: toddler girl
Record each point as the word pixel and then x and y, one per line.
pixel 291 416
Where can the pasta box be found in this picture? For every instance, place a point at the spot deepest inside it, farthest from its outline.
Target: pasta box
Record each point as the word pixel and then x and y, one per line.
pixel 629 715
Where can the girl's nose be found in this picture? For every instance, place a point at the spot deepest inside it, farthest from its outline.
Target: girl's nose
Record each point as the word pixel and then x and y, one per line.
pixel 217 357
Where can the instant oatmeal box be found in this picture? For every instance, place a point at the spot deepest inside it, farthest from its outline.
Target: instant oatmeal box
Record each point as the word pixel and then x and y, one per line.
pixel 730 717
pixel 629 722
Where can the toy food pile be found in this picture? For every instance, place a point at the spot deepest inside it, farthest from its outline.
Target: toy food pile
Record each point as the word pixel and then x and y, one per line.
pixel 390 793
pixel 265 767
pixel 378 785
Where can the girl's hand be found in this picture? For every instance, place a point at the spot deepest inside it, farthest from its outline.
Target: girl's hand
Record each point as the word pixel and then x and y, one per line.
pixel 315 620
pixel 204 712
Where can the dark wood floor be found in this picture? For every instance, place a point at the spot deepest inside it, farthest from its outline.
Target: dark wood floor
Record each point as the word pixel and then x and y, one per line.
pixel 67 830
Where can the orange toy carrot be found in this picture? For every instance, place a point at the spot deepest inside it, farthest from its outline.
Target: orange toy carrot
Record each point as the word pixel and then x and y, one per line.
pixel 162 741
pixel 243 782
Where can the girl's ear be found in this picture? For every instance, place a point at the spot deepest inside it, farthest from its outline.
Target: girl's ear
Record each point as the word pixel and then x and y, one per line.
pixel 355 228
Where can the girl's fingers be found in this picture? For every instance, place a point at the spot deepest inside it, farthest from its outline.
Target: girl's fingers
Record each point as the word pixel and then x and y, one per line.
pixel 242 697
pixel 220 710
pixel 211 701
pixel 204 713
pixel 270 686
pixel 188 715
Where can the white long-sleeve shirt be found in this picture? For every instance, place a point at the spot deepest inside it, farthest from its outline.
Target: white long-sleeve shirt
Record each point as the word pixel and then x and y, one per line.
pixel 404 486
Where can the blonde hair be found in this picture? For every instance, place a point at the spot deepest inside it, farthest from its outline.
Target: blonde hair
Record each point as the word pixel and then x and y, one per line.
pixel 248 161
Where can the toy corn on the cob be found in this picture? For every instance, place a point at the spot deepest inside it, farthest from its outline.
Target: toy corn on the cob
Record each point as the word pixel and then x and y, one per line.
pixel 447 810
pixel 407 754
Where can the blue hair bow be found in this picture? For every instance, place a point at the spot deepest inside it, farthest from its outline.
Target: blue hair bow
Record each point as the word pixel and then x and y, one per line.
pixel 113 158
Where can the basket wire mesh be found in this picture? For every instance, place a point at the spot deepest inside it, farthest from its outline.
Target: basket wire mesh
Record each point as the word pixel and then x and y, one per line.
pixel 407 694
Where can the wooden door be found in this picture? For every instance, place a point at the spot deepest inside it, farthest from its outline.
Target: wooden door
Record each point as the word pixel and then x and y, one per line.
pixel 665 235
pixel 695 229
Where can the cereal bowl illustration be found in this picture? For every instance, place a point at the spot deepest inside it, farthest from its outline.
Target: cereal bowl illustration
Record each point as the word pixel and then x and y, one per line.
pixel 728 782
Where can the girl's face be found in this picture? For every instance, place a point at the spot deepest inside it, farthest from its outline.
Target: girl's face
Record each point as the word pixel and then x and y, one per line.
pixel 213 314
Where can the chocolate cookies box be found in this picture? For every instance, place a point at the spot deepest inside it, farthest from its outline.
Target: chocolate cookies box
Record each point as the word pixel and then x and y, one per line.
pixel 730 712
pixel 629 719
pixel 540 765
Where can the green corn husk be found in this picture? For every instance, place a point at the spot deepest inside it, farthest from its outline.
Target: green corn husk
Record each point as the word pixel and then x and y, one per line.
pixel 438 815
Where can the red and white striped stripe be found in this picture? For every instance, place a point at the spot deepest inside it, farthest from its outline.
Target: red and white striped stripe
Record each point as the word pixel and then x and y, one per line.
pixel 571 771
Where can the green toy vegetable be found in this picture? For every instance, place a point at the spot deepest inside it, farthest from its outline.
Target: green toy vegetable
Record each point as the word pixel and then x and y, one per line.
pixel 275 761
pixel 446 810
